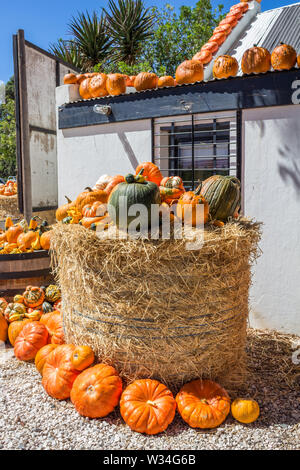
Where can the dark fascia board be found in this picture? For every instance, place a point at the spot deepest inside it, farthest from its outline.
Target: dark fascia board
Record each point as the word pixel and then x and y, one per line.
pixel 246 92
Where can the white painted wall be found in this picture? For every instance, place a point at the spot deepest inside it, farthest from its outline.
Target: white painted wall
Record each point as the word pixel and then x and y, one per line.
pixel 272 195
pixel 85 153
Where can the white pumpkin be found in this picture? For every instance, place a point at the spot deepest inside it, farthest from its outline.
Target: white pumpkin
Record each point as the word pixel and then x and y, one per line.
pixel 102 182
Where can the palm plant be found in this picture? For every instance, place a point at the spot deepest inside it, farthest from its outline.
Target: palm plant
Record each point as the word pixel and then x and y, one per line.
pixel 129 25
pixel 90 35
pixel 69 52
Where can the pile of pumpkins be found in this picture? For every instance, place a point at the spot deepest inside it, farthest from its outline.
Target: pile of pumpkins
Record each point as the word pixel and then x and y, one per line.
pixel 68 371
pixel 24 238
pixel 255 60
pixel 220 197
pixel 10 188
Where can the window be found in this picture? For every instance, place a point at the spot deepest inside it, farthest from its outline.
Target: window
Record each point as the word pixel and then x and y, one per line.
pixel 195 147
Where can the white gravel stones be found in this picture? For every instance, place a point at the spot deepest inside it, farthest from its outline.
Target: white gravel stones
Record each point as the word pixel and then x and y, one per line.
pixel 29 419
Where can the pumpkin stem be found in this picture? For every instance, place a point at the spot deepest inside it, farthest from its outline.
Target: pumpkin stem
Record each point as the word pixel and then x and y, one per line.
pixel 89 189
pixel 68 199
pixel 149 402
pixel 129 178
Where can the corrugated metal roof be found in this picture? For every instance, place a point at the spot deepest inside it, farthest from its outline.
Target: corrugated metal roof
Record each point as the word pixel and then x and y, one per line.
pixel 269 29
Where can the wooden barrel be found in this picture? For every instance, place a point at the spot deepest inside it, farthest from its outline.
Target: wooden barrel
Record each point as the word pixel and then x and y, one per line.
pixel 20 270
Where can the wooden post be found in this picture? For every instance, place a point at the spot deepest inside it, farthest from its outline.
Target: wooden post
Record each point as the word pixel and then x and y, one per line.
pixel 24 128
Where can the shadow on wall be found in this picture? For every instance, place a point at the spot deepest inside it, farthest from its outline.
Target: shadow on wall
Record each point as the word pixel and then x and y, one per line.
pixel 289 165
pixel 128 150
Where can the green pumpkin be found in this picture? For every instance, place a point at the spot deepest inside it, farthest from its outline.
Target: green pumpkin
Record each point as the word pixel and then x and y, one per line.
pixel 53 293
pixel 47 307
pixel 223 194
pixel 137 191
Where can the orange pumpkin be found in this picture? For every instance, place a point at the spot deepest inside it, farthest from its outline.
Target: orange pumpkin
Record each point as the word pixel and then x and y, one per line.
pixel 82 357
pixel 145 81
pixel 165 81
pixel 42 355
pixel 190 71
pixel 33 296
pixel 223 28
pixel 15 329
pixel 13 233
pixel 84 89
pixel 113 182
pixel 203 56
pixel 96 391
pixel 245 410
pixel 80 77
pixel 225 66
pixel 55 329
pixel 45 240
pixel 88 221
pixel 3 329
pixel 147 406
pixel 27 239
pixel 89 196
pixel 32 337
pixel 243 7
pixel 130 80
pixel 203 404
pixel 236 13
pixel 95 209
pixel 70 79
pixel 229 19
pixel 171 188
pixel 186 208
pixel 97 86
pixel 151 172
pixel 59 373
pixel 62 211
pixel 298 61
pixel 284 57
pixel 212 47
pixel 116 84
pixel 256 60
pixel 219 38
pixel 46 317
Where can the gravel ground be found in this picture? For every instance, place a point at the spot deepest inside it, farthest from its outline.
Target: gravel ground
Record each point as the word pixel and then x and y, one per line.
pixel 30 419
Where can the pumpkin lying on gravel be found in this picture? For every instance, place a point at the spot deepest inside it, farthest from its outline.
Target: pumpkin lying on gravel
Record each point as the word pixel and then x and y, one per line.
pixel 96 391
pixel 203 404
pixel 58 373
pixel 42 355
pixel 147 406
pixel 245 410
pixel 31 339
pixel 3 329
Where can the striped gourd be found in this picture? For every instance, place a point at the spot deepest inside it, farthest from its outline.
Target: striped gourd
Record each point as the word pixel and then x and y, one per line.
pixel 223 194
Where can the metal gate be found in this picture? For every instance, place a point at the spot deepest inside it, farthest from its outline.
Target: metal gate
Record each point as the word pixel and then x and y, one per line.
pixel 197 146
pixel 37 74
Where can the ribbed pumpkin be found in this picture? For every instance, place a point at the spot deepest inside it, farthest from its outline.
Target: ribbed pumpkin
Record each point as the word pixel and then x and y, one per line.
pixel 225 66
pixel 223 194
pixel 42 355
pixel 204 56
pixel 112 183
pixel 245 410
pixel 45 240
pixel 135 190
pixel 256 60
pixel 223 28
pixel 116 84
pixel 88 196
pixel 219 38
pixel 15 329
pixel 84 89
pixel 145 81
pixel 230 19
pixel 55 329
pixel 186 209
pixel 151 172
pixel 165 81
pixel 3 328
pixel 284 57
pixel 210 46
pixel 203 404
pixel 189 71
pixel 31 339
pixel 52 293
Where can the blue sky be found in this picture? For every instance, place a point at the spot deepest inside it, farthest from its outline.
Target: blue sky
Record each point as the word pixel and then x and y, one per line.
pixel 44 22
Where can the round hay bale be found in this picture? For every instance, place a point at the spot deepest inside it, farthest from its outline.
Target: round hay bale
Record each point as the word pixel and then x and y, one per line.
pixel 152 308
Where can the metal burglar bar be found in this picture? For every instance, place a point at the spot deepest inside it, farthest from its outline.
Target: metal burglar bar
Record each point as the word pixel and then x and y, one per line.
pixel 196 146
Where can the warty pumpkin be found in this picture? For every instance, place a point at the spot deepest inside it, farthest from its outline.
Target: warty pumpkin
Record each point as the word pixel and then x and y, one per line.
pixel 52 293
pixel 97 86
pixel 171 188
pixel 256 60
pixel 116 84
pixel 223 194
pixel 151 172
pixel 284 57
pixel 245 410
pixel 186 209
pixel 3 329
pixel 225 66
pixel 30 340
pixel 33 296
pixel 96 391
pixel 145 81
pixel 190 71
pixel 133 191
pixel 42 355
pixel 59 373
pixel 203 404
pixel 14 312
pixel 147 406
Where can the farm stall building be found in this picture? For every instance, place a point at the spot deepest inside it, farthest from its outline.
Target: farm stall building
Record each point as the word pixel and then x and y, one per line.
pixel 247 126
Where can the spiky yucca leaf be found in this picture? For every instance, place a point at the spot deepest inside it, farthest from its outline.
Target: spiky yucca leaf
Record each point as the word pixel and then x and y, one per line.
pixel 129 25
pixel 69 52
